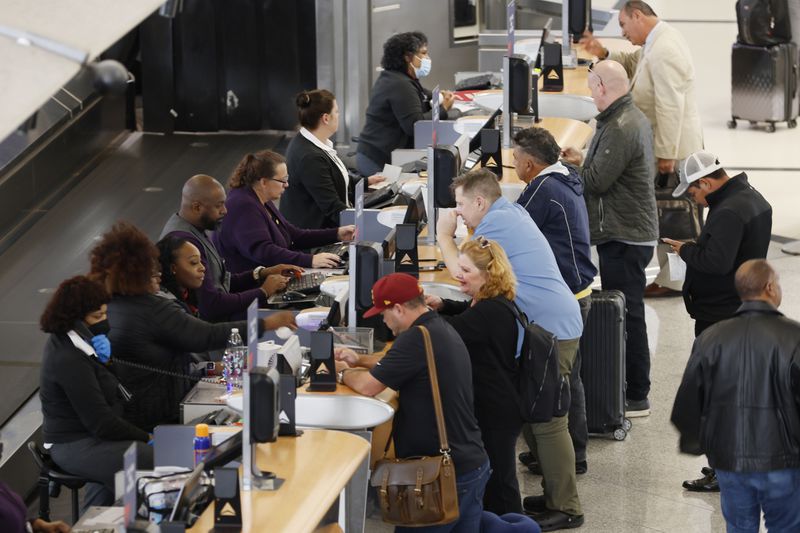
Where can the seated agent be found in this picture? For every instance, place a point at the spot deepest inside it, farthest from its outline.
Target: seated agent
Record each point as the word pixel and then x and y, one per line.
pixel 400 300
pixel 545 299
pixel 739 404
pixel 553 196
pixel 256 233
pixel 223 295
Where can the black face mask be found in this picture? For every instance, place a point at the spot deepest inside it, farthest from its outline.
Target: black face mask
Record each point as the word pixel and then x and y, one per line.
pixel 100 328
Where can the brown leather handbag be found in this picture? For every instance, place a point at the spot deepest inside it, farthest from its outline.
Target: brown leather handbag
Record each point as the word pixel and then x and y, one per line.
pixel 419 491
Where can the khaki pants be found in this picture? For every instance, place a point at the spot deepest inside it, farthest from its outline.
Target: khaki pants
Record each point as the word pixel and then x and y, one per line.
pixel 551 443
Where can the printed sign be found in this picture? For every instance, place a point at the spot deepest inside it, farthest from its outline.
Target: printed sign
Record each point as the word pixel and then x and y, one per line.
pixel 359 209
pixel 129 485
pixel 435 114
pixel 511 11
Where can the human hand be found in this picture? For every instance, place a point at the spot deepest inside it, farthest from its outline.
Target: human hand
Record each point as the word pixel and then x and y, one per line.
pixel 325 260
pixel 346 233
pixel 375 178
pixel 666 166
pixel 102 347
pixel 274 283
pixel 434 302
pixel 593 45
pixel 40 526
pixel 446 224
pixel 675 245
pixel 346 356
pixel 572 155
pixel 282 269
pixel 280 319
pixel 448 99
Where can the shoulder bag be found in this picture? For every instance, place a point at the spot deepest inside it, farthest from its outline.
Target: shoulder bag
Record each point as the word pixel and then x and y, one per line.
pixel 419 491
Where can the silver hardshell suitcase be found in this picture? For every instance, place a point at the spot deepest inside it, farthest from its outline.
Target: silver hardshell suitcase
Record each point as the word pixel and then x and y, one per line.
pixel 764 84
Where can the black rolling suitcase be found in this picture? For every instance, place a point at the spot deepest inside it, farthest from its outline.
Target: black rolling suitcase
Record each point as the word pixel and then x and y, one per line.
pixel 764 84
pixel 603 365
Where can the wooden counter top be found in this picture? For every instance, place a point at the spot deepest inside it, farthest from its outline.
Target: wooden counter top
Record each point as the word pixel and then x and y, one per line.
pixel 315 466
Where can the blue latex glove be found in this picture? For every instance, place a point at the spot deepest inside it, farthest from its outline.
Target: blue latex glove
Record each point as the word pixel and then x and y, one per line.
pixel 102 347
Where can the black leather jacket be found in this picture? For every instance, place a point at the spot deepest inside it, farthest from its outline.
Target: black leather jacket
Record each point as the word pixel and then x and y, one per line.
pixel 739 402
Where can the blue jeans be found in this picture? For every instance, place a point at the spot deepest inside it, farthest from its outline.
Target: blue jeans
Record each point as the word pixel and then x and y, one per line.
pixel 366 166
pixel 470 504
pixel 744 495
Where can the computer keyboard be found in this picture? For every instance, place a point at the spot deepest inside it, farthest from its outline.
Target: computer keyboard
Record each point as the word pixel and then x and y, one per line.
pixel 340 248
pixel 306 283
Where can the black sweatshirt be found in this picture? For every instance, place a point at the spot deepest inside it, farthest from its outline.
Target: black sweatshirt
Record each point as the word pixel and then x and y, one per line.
pixel 489 330
pixel 80 397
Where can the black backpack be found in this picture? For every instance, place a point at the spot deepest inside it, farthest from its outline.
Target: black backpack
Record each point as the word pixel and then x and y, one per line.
pixel 763 22
pixel 541 390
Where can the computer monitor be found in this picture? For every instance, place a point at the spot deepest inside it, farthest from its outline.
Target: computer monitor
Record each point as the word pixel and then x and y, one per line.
pixel 446 165
pixel 580 18
pixel 547 37
pixel 415 212
pixel 520 91
pixel 192 496
pixel 336 314
pixel 223 453
pixel 475 142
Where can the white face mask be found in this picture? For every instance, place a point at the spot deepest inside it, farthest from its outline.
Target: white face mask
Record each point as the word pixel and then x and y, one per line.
pixel 424 67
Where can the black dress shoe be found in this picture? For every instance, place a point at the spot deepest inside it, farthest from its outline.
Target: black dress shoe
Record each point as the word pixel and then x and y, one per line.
pixel 526 458
pixel 534 504
pixel 536 469
pixel 707 483
pixel 706 470
pixel 555 520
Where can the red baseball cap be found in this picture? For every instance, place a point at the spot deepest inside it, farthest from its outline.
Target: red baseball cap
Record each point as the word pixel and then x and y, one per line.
pixel 397 288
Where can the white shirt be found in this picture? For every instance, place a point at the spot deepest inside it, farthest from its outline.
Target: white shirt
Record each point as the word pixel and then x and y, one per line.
pixel 328 148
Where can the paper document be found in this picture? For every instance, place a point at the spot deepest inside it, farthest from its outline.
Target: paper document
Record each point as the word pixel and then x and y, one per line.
pixel 677 267
pixel 391 173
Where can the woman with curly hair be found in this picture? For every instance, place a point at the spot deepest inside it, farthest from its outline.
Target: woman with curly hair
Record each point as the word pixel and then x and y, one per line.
pixel 319 185
pixel 489 329
pixel 397 101
pixel 82 400
pixel 151 331
pixel 256 233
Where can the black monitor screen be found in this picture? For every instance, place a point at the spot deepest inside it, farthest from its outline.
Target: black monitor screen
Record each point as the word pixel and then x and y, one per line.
pixel 475 142
pixel 192 498
pixel 415 213
pixel 223 453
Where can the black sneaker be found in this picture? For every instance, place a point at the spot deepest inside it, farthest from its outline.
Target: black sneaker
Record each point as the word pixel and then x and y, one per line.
pixel 637 408
pixel 555 520
pixel 526 458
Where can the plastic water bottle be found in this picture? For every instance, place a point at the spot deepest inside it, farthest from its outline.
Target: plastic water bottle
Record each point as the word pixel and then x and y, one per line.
pixel 202 443
pixel 233 360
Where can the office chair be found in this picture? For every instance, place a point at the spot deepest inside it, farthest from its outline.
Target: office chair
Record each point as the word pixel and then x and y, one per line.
pixel 51 478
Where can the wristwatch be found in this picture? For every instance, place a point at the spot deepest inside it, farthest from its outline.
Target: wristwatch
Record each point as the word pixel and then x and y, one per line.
pixel 340 376
pixel 257 272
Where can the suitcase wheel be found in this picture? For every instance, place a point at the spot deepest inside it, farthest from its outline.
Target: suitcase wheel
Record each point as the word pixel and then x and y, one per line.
pixel 620 434
pixel 626 424
pixel 771 127
pixel 792 124
pixel 732 124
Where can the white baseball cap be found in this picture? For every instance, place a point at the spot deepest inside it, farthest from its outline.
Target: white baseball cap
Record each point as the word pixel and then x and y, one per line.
pixel 698 165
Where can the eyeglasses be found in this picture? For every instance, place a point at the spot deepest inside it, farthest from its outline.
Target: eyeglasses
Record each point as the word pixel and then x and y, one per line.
pixel 282 182
pixel 596 75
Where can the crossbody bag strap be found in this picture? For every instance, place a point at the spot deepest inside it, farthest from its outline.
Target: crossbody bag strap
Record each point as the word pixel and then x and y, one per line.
pixel 444 447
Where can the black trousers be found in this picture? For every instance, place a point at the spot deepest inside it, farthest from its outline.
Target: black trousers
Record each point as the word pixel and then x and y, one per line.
pixel 502 490
pixel 622 268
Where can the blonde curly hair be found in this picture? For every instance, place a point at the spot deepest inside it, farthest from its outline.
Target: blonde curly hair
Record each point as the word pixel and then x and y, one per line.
pixel 490 258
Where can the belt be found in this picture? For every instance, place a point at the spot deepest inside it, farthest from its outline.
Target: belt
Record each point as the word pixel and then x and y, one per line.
pixel 583 294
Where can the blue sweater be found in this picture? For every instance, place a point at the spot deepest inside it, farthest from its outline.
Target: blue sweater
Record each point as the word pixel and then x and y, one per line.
pixel 554 199
pixel 541 291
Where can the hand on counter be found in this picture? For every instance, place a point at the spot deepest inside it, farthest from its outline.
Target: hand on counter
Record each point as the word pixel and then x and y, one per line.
pixel 448 99
pixel 666 166
pixel 281 319
pixel 572 155
pixel 282 269
pixel 274 283
pixel 593 45
pixel 375 178
pixel 325 260
pixel 40 526
pixel 346 233
pixel 434 302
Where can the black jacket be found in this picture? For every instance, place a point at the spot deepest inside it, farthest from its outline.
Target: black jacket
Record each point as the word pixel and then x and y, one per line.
pixel 489 330
pixel 739 401
pixel 396 102
pixel 738 228
pixel 156 332
pixel 316 193
pixel 80 396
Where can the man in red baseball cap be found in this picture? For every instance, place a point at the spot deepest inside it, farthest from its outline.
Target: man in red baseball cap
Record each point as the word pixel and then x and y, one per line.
pixel 400 300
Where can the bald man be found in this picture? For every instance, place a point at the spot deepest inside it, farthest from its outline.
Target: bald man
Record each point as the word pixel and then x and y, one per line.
pixel 739 403
pixel 223 296
pixel 617 178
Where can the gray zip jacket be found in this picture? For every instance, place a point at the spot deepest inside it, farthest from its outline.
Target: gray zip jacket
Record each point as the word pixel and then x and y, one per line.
pixel 618 176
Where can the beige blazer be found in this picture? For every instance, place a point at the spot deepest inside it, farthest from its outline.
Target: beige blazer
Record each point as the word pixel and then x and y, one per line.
pixel 662 86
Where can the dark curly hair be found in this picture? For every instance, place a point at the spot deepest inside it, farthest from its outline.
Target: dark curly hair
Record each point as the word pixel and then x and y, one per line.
pixel 124 260
pixel 253 167
pixel 73 300
pixel 168 251
pixel 311 105
pixel 397 46
pixel 539 144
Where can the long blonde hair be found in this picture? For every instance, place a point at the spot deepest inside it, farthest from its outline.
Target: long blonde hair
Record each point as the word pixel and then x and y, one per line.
pixel 490 258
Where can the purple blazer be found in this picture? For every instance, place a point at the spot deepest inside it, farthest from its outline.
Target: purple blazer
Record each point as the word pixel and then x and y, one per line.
pixel 255 234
